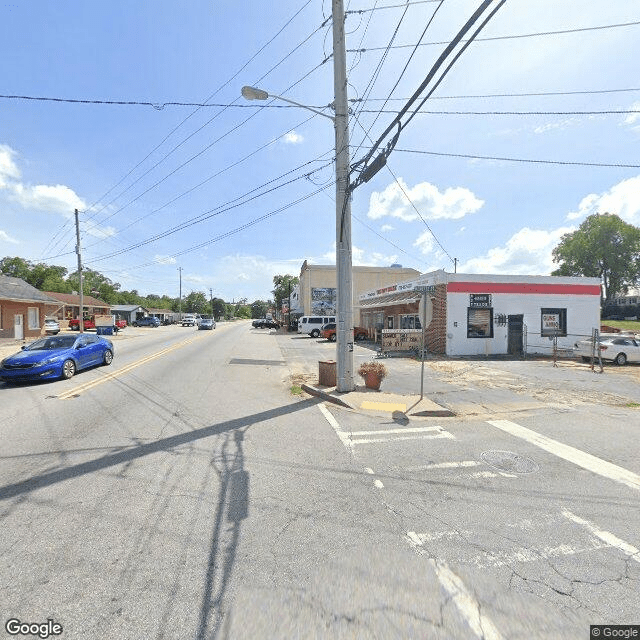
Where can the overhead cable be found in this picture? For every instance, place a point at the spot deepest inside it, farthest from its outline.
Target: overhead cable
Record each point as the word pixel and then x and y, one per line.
pixel 367 171
pixel 512 37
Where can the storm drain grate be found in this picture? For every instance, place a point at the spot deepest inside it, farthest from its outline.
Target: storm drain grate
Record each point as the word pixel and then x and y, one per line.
pixel 275 363
pixel 509 461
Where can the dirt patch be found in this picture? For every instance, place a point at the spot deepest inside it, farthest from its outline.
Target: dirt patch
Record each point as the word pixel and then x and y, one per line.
pixel 466 374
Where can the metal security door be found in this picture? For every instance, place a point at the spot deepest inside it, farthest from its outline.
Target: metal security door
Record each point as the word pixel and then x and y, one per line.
pixel 514 335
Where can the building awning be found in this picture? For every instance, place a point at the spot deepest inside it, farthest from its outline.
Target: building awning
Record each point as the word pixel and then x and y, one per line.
pixel 404 297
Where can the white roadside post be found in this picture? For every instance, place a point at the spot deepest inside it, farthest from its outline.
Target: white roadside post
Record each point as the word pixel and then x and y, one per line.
pixel 426 315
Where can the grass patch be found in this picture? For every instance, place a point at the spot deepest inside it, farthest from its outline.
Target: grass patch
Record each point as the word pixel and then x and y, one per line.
pixel 623 325
pixel 296 390
pixel 633 405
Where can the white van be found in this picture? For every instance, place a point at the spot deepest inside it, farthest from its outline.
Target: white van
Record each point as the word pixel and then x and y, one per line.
pixel 313 324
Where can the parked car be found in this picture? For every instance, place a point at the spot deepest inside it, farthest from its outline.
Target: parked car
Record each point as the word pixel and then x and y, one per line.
pixel 147 321
pixel 207 323
pixel 328 331
pixel 618 349
pixel 265 323
pixel 313 324
pixel 189 321
pixel 51 326
pixel 56 357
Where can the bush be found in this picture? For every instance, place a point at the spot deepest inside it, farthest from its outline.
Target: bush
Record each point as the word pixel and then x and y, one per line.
pixel 373 367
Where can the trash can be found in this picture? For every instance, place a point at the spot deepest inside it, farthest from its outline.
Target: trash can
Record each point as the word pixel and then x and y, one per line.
pixel 327 373
pixel 104 331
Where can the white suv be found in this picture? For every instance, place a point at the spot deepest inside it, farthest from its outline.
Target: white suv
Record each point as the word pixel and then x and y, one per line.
pixel 313 324
pixel 189 321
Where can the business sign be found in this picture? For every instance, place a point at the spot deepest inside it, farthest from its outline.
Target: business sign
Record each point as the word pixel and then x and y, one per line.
pixel 550 323
pixel 401 339
pixel 479 300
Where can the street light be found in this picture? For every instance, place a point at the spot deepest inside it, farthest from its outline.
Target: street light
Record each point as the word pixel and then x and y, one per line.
pixel 253 93
pixel 344 272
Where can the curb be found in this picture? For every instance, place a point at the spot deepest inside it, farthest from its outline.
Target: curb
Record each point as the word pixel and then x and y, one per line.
pixel 324 395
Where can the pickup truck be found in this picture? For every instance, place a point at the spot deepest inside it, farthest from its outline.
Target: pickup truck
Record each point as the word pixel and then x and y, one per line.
pixel 89 323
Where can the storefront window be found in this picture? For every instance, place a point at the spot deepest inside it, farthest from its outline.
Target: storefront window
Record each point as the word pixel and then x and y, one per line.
pixel 389 322
pixel 410 322
pixel 479 323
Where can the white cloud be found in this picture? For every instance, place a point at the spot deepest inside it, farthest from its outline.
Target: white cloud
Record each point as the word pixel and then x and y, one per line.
pixel 528 252
pixel 623 199
pixel 452 203
pixel 360 258
pixel 424 242
pixel 7 238
pixel 8 168
pixel 54 198
pixel 42 197
pixel 386 227
pixel 165 259
pixel 632 118
pixel 293 138
pixel 558 124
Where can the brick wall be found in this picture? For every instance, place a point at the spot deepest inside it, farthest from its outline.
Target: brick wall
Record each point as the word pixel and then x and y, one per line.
pixel 9 308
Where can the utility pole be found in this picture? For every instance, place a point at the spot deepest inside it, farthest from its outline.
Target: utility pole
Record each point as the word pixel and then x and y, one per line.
pixel 455 265
pixel 180 304
pixel 211 297
pixel 344 273
pixel 78 251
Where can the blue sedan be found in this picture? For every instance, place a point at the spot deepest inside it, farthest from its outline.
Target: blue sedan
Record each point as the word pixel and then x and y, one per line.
pixel 56 357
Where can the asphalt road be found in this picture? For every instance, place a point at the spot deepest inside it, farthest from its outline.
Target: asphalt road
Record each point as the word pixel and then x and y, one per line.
pixel 185 492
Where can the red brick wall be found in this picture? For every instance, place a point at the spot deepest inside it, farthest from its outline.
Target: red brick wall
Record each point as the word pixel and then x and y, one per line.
pixel 9 308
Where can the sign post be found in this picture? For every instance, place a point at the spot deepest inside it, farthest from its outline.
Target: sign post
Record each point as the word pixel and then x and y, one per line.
pixel 423 322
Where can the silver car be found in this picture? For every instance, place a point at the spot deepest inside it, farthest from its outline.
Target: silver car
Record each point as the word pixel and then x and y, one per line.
pixel 207 323
pixel 51 326
pixel 618 349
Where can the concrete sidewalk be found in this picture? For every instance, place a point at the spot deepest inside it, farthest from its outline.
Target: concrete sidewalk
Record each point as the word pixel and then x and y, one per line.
pixel 363 399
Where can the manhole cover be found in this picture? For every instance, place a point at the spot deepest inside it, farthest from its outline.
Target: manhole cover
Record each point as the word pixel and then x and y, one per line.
pixel 509 461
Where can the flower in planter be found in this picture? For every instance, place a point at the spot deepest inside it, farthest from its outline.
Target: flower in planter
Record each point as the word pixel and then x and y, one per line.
pixel 373 368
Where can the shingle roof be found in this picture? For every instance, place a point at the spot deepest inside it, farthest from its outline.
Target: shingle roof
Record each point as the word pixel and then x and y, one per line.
pixel 17 289
pixel 73 298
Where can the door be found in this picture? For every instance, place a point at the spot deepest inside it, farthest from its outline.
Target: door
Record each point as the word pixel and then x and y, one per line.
pixel 18 327
pixel 514 335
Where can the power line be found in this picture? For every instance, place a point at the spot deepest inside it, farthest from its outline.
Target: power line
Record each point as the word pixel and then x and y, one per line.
pixel 511 37
pixel 198 108
pixel 228 233
pixel 369 170
pixel 223 208
pixel 617 165
pixel 512 113
pixel 390 6
pixel 512 95
pixel 233 105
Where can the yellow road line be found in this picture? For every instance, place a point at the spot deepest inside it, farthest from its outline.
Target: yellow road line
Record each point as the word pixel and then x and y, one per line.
pixel 110 376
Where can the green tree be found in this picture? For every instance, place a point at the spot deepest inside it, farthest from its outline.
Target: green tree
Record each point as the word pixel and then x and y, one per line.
pixel 282 288
pixel 15 268
pixel 605 247
pixel 219 308
pixel 196 302
pixel 259 309
pixel 39 275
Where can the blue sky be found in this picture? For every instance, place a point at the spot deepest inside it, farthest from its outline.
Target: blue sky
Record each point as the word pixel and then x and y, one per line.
pixel 136 172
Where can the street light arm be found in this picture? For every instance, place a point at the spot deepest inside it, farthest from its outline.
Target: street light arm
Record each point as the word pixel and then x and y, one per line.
pixel 253 93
